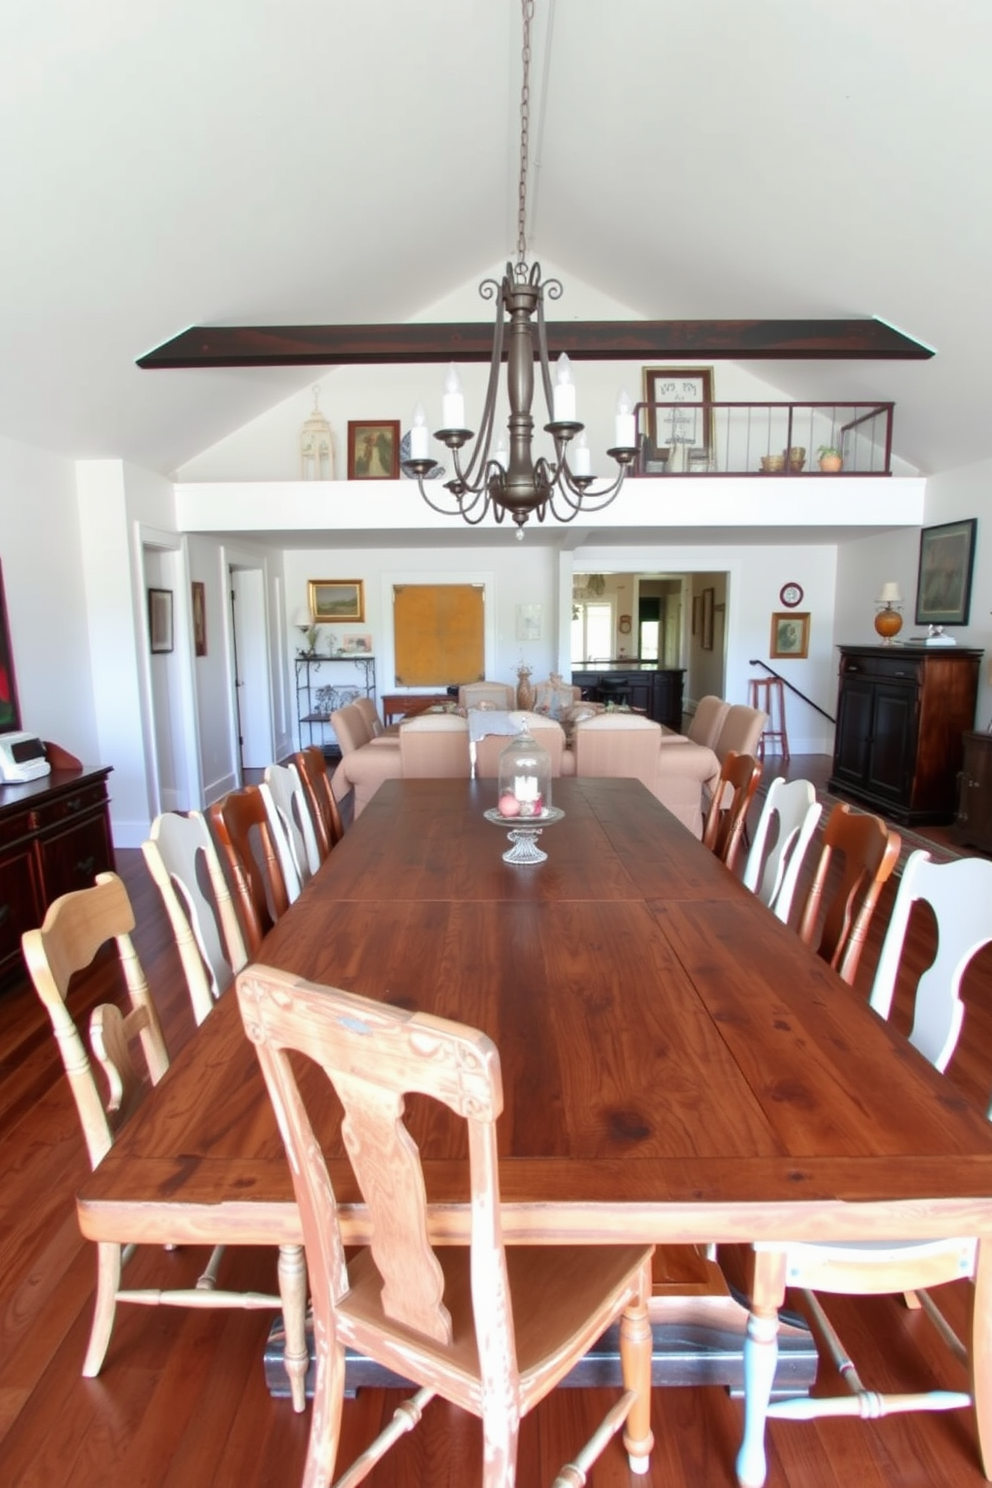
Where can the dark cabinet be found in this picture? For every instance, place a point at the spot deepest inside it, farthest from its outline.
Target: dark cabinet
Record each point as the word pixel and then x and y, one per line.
pixel 54 837
pixel 973 823
pixel 655 692
pixel 901 714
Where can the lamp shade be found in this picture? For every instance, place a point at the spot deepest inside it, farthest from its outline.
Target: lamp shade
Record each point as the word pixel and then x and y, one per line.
pixel 890 593
pixel 302 618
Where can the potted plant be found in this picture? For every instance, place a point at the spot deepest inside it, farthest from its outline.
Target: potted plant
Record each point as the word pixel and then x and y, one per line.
pixel 830 457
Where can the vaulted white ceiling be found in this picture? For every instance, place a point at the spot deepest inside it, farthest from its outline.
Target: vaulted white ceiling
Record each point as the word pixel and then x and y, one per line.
pixel 172 162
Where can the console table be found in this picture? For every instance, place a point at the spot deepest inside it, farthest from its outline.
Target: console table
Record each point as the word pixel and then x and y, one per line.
pixel 54 836
pixel 657 691
pixel 408 704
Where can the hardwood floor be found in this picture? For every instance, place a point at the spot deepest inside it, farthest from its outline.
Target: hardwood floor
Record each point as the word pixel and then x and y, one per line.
pixel 182 1400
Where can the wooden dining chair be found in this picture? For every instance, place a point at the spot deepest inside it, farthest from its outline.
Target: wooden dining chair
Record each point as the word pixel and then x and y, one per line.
pixel 728 808
pixel 960 897
pixel 182 860
pixel 74 929
pixel 240 820
pixel 488 1328
pixel 324 813
pixel 870 852
pixel 790 811
pixel 292 810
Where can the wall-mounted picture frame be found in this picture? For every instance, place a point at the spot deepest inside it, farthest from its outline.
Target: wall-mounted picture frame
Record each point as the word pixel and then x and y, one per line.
pixel 678 425
pixel 356 645
pixel 943 584
pixel 10 711
pixel 706 619
pixel 160 628
pixel 373 449
pixel 695 614
pixel 529 617
pixel 335 600
pixel 199 617
pixel 790 635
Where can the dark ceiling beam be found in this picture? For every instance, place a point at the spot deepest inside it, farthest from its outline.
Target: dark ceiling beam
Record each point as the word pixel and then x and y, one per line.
pixel 584 340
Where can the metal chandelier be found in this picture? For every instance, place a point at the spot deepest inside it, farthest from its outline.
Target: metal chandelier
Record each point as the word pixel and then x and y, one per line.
pixel 511 482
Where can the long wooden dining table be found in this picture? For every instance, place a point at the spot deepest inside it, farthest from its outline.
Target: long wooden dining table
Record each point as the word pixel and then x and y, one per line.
pixel 677 1066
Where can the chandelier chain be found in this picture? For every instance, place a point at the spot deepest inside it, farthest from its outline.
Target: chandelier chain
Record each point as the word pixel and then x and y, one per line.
pixel 527 12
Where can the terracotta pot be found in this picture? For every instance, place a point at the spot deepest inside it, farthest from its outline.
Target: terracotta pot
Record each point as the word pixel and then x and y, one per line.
pixel 525 690
pixel 831 462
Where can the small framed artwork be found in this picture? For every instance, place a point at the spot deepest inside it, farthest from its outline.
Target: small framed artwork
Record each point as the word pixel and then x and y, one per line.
pixel 943 586
pixel 706 619
pixel 677 424
pixel 790 635
pixel 528 622
pixel 373 449
pixel 695 614
pixel 199 618
pixel 10 713
pixel 356 645
pixel 336 600
pixel 160 620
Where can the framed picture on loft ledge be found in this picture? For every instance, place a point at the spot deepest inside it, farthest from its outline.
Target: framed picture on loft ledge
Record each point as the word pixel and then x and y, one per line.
pixel 374 449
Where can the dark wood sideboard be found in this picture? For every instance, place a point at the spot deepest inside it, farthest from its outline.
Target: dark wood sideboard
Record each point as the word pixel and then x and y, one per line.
pixel 657 691
pixel 54 836
pixel 902 712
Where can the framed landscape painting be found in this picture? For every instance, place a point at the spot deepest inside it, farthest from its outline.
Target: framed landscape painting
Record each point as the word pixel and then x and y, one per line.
pixel 335 600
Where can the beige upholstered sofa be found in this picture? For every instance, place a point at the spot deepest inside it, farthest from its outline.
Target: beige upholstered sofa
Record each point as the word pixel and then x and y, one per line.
pixel 367 758
pixel 672 767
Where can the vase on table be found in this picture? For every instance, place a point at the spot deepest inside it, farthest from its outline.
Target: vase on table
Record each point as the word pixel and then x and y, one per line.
pixel 525 689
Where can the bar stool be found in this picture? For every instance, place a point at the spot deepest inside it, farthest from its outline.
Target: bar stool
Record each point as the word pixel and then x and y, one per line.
pixel 768 694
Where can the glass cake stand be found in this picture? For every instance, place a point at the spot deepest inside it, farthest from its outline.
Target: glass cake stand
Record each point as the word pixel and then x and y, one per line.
pixel 524 832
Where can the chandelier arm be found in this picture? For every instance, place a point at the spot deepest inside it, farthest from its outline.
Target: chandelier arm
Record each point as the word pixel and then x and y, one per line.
pixel 474 475
pixel 587 501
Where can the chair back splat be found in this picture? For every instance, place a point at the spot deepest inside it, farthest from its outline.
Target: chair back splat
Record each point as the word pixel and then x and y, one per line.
pixel 724 827
pixel 182 859
pixel 870 853
pixel 312 769
pixel 292 809
pixel 443 1318
pixel 792 808
pixel 240 819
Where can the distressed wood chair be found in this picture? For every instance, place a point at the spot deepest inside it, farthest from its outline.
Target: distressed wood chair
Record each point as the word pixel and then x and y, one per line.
pixel 260 888
pixel 74 929
pixel 182 859
pixel 960 895
pixel 792 811
pixel 724 826
pixel 870 852
pixel 312 768
pixel 489 1329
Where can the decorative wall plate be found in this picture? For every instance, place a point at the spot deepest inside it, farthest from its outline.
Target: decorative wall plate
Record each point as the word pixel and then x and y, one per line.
pixel 791 595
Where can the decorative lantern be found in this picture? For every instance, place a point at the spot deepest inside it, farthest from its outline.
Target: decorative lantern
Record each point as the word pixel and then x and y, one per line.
pixel 316 445
pixel 524 780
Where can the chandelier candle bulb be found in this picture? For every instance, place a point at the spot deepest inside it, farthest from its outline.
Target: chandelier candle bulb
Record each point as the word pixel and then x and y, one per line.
pixel 625 426
pixel 564 392
pixel 420 439
pixel 453 400
pixel 580 458
pixel 501 457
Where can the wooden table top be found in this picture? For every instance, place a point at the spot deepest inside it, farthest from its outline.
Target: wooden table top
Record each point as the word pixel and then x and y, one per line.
pixel 676 1064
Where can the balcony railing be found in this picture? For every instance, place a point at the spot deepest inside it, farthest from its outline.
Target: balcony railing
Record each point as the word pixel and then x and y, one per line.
pixel 763 438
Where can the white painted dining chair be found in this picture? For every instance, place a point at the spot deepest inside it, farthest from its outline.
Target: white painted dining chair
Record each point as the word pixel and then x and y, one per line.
pixel 288 800
pixel 960 895
pixel 772 873
pixel 185 867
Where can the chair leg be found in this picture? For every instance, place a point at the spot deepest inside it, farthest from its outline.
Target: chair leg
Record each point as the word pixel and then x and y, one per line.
pixel 499 1449
pixel 325 1420
pixel 108 1280
pixel 635 1357
pixel 760 1360
pixel 292 1271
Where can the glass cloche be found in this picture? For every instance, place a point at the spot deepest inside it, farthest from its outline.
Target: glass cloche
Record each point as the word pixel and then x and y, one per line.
pixel 524 779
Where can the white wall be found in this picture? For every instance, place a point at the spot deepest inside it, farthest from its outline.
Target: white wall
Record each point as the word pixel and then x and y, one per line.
pixel 46 598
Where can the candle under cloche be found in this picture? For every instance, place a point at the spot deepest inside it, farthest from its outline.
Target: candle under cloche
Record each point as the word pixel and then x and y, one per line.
pixel 524 779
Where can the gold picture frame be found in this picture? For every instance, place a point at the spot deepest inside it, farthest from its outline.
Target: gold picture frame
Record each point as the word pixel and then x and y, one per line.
pixel 790 635
pixel 336 601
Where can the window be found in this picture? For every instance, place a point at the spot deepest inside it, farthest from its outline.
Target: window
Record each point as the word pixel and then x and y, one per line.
pixel 592 631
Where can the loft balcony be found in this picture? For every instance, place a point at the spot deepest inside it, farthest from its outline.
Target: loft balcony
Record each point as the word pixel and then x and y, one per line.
pixel 766 439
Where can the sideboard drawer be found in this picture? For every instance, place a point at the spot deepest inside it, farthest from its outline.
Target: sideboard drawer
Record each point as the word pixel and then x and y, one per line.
pixel 21 902
pixel 72 858
pixel 69 806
